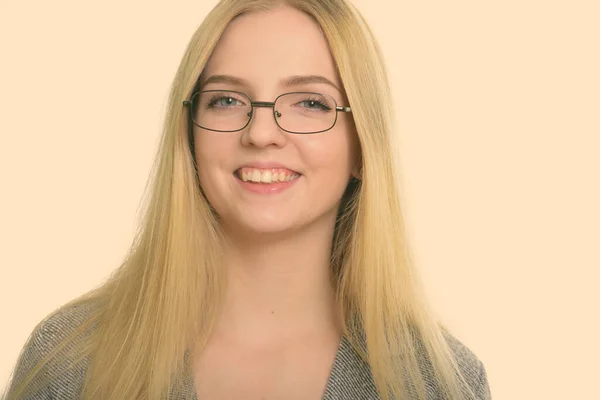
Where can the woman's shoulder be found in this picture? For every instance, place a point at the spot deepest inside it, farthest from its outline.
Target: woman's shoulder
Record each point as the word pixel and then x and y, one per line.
pixel 470 366
pixel 68 323
pixel 65 320
pixel 56 341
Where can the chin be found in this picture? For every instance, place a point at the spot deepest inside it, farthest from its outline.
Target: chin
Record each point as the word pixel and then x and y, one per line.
pixel 266 227
pixel 261 225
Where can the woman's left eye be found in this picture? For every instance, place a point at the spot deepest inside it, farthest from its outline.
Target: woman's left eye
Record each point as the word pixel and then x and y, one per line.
pixel 314 104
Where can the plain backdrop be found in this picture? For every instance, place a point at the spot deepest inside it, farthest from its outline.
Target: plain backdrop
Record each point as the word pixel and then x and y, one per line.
pixel 498 113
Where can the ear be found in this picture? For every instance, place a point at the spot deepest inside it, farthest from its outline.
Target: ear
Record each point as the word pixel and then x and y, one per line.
pixel 357 168
pixel 357 171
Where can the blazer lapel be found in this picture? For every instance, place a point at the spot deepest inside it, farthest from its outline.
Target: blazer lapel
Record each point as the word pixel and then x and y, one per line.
pixel 350 377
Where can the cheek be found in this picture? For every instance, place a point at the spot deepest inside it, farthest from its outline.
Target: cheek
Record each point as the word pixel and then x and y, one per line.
pixel 211 149
pixel 334 153
pixel 211 153
pixel 203 160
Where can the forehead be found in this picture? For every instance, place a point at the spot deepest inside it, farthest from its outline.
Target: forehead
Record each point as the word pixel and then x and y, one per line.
pixel 265 47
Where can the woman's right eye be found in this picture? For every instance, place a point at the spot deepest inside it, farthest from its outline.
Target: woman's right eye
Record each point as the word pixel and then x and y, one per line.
pixel 224 101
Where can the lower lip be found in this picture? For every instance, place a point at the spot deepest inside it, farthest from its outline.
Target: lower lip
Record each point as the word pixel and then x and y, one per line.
pixel 266 188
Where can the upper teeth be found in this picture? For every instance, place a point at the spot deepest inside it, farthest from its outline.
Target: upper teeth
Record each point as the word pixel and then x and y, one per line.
pixel 267 175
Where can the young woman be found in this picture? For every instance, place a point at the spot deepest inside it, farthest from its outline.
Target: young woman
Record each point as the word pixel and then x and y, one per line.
pixel 272 261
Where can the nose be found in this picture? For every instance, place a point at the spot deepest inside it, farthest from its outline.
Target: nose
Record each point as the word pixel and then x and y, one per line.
pixel 263 131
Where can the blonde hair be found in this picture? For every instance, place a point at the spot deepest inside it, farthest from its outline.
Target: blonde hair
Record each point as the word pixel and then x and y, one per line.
pixel 165 296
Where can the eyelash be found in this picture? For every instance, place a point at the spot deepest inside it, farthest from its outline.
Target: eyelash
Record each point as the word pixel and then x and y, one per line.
pixel 320 104
pixel 216 98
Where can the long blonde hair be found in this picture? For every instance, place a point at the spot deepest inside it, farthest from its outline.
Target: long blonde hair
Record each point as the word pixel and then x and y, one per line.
pixel 165 296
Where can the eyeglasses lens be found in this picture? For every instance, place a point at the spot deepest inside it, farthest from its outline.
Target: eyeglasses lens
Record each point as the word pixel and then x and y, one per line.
pixel 228 111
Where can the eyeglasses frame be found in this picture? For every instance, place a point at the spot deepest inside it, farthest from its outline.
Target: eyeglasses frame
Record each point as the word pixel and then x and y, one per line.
pixel 266 104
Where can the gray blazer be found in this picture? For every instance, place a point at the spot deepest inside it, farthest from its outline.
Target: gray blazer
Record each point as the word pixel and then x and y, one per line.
pixel 350 377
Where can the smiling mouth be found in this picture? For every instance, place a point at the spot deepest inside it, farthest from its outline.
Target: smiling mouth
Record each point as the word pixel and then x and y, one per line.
pixel 266 176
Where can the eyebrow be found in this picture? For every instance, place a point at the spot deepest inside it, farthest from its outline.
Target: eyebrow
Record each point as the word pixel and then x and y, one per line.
pixel 286 82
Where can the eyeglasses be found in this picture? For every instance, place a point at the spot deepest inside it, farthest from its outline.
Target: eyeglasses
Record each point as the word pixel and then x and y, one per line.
pixel 296 112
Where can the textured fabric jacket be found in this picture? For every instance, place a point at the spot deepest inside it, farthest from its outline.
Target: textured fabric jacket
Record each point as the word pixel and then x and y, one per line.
pixel 350 377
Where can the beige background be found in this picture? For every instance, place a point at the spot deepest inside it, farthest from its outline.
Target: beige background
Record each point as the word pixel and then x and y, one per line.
pixel 498 109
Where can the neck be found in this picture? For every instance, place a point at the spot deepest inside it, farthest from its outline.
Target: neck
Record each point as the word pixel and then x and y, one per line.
pixel 279 288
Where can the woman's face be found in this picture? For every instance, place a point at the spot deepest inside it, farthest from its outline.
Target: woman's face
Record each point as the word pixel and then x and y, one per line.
pixel 257 55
